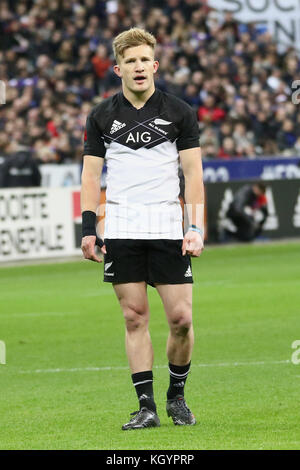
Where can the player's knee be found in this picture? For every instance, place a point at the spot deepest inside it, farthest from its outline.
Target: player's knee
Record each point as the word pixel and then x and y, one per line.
pixel 181 320
pixel 136 316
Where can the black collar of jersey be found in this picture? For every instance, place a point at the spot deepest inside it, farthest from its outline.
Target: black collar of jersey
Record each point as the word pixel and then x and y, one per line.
pixel 150 101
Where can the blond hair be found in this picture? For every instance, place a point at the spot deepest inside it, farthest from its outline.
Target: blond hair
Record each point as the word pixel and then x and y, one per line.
pixel 132 38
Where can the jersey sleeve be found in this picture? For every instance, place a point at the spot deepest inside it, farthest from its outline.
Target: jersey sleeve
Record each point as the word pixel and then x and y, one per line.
pixel 189 131
pixel 93 139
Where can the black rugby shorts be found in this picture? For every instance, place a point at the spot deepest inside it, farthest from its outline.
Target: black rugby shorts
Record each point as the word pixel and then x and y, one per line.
pixel 152 261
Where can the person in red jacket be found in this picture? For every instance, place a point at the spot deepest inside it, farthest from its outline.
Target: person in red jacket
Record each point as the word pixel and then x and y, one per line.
pixel 210 112
pixel 101 61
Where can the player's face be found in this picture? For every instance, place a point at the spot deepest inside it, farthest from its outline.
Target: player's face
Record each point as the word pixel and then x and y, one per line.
pixel 137 68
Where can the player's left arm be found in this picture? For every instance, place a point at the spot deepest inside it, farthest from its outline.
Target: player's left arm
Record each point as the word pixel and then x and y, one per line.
pixel 191 163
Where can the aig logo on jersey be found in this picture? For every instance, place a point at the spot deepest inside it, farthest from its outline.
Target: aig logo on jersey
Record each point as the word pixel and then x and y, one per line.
pixel 138 137
pixel 146 136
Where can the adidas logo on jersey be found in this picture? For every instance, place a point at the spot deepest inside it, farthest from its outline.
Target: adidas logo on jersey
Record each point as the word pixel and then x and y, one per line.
pixel 116 126
pixel 188 272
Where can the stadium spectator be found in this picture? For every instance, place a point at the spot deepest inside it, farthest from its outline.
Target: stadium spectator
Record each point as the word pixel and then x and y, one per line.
pixel 101 61
pixel 209 143
pixel 210 112
pixel 297 147
pixel 243 140
pixel 19 168
pixel 286 137
pixel 225 130
pixel 55 57
pixel 228 150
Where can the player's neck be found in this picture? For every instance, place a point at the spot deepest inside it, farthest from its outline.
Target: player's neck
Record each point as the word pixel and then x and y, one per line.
pixel 138 100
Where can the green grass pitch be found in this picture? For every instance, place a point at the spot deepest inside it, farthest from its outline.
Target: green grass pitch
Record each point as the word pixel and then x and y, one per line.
pixel 66 384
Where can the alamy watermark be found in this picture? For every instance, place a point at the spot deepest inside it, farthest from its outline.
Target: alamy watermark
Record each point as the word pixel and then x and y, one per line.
pixel 296 354
pixel 296 94
pixel 2 92
pixel 2 353
pixel 132 217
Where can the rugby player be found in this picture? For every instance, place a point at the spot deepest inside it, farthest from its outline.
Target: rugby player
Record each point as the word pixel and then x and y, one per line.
pixel 143 134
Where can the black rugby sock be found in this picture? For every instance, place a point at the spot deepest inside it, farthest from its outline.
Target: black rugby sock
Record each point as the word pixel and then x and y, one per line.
pixel 178 376
pixel 143 382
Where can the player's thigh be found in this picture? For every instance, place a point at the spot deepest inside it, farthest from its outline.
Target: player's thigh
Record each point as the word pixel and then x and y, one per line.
pixel 133 299
pixel 177 301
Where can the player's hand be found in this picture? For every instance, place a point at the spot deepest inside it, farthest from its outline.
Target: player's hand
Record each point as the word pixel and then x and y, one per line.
pixel 88 248
pixel 192 244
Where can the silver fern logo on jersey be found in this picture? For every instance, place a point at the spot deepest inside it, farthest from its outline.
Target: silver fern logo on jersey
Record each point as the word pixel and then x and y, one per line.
pixel 161 122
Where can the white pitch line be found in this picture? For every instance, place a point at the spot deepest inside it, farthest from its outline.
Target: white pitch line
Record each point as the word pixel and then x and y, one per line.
pixel 38 314
pixel 112 368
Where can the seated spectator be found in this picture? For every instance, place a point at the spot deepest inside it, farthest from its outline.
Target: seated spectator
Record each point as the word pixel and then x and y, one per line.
pixel 228 149
pixel 297 147
pixel 209 137
pixel 224 131
pixel 286 138
pixel 243 140
pixel 209 151
pixel 191 95
pixel 101 61
pixel 262 129
pixel 209 112
pixel 239 112
pixel 19 168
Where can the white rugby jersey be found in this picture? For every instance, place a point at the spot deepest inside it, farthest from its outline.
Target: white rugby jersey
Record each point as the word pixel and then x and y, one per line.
pixel 140 147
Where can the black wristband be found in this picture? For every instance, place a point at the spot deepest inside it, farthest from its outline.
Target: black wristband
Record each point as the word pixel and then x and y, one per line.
pixel 88 223
pixel 89 226
pixel 99 242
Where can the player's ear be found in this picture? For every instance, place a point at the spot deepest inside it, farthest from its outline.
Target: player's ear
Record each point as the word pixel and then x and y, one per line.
pixel 155 65
pixel 117 70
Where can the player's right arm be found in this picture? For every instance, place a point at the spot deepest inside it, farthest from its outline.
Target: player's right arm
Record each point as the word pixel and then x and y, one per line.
pixel 90 197
pixel 94 153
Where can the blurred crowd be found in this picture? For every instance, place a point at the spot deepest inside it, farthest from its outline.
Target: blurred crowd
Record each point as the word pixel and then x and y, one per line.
pixel 56 60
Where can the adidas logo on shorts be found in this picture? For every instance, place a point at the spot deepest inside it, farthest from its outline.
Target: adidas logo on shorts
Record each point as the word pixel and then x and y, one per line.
pixel 188 272
pixel 116 126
